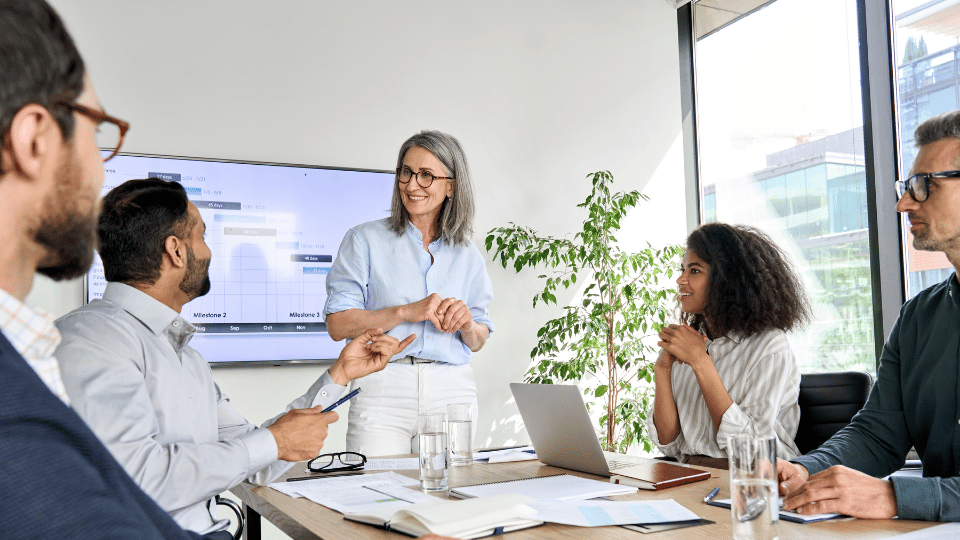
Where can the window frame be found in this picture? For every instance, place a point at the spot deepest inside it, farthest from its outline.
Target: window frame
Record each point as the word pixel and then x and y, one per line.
pixel 881 152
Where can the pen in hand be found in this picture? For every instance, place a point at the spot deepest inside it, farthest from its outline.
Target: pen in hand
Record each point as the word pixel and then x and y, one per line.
pixel 342 400
pixel 711 495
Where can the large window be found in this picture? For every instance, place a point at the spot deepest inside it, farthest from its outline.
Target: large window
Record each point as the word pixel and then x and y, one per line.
pixel 781 147
pixel 928 83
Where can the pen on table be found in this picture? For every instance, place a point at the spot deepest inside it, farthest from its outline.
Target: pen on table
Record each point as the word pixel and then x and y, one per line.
pixel 503 448
pixel 318 477
pixel 343 400
pixel 711 495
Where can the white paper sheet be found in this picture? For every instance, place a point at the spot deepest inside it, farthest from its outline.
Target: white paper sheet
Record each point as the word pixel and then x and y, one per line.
pixel 357 494
pixel 602 513
pixel 524 453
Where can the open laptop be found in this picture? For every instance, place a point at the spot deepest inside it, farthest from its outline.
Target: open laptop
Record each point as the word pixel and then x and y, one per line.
pixel 562 432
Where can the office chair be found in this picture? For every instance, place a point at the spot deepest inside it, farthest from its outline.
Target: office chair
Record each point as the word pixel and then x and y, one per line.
pixel 827 403
pixel 232 505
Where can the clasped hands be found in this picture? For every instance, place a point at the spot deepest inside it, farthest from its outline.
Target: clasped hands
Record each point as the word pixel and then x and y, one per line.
pixel 447 314
pixel 681 343
pixel 837 490
pixel 300 432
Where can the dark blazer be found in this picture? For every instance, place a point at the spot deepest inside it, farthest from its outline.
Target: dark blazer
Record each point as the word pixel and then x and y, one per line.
pixel 56 479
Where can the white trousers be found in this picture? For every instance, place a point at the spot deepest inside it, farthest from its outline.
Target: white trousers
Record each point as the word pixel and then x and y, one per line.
pixel 383 417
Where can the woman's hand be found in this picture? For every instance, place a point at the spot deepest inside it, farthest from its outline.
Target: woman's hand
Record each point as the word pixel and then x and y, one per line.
pixel 424 310
pixel 665 361
pixel 447 315
pixel 689 346
pixel 454 315
pixel 685 344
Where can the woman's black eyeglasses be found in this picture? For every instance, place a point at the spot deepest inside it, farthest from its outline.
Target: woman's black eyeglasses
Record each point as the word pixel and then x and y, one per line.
pixel 340 461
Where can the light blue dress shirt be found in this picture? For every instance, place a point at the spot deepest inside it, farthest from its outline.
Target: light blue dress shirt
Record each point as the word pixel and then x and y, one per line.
pixel 376 269
pixel 151 399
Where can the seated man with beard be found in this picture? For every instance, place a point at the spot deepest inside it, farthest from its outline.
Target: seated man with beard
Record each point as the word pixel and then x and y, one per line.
pixel 150 397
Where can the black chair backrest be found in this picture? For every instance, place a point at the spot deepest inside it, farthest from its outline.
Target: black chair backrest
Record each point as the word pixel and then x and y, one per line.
pixel 827 403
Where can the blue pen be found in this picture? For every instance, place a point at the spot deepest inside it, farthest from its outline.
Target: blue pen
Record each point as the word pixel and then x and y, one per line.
pixel 711 495
pixel 343 400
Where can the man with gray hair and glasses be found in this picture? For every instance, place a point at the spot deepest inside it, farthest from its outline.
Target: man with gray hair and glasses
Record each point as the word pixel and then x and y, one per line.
pixel 915 399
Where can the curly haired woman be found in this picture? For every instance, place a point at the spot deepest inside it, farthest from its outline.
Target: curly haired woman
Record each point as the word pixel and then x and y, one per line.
pixel 728 368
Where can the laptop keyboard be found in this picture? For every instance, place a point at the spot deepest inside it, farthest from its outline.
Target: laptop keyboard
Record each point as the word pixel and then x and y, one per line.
pixel 614 464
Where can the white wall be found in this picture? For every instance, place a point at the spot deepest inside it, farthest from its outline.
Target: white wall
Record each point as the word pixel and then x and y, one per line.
pixel 540 93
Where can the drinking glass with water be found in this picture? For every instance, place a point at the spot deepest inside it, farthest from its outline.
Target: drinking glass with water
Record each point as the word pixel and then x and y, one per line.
pixel 754 501
pixel 460 429
pixel 434 457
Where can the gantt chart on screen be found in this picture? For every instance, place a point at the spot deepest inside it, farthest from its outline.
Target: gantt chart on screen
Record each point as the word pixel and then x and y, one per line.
pixel 273 232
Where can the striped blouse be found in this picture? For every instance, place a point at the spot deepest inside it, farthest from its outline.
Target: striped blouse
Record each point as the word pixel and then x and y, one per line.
pixel 761 375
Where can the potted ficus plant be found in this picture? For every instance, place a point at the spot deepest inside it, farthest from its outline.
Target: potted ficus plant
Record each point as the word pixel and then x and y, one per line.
pixel 599 340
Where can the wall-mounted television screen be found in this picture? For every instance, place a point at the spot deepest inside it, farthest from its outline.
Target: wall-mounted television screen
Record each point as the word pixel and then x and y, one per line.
pixel 274 230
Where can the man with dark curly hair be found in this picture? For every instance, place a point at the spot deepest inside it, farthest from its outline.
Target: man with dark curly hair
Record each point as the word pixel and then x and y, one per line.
pixel 914 402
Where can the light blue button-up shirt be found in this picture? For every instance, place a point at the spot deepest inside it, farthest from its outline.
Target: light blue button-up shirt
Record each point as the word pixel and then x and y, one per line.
pixel 151 399
pixel 376 269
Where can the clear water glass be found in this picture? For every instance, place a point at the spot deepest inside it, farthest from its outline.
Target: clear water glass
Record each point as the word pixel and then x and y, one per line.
pixel 434 462
pixel 755 506
pixel 460 430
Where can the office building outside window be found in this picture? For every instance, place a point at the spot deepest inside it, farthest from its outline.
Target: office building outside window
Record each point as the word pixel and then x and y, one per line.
pixel 780 147
pixel 928 83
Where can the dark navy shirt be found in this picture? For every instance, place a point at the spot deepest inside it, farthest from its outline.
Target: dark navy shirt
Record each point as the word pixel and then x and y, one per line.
pixel 915 402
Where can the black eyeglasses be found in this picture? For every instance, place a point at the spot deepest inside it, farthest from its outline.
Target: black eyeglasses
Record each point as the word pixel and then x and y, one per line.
pixel 404 175
pixel 110 130
pixel 340 461
pixel 917 185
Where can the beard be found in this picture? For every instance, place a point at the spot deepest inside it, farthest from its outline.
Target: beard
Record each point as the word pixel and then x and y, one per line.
pixel 68 233
pixel 923 242
pixel 196 282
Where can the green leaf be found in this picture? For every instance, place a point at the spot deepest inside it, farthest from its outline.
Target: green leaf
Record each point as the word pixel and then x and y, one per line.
pixel 601 390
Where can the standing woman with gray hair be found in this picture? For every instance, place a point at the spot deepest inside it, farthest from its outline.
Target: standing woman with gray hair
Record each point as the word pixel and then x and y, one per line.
pixel 415 272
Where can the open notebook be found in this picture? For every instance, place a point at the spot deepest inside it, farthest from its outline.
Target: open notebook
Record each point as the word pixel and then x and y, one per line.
pixel 473 518
pixel 784 514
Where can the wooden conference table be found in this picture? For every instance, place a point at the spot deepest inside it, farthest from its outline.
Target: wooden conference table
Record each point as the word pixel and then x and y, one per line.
pixel 303 519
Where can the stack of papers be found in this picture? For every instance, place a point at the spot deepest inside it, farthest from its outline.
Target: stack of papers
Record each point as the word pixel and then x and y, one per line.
pixel 602 513
pixel 365 494
pixel 385 500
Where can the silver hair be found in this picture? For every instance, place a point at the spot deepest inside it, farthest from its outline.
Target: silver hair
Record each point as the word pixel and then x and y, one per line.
pixel 455 221
pixel 944 126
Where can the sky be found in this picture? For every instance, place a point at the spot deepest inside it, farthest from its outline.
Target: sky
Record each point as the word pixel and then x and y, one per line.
pixel 786 74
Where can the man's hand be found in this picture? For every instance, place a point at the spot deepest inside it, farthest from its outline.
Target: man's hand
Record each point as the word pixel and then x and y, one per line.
pixel 843 490
pixel 790 476
pixel 368 353
pixel 300 433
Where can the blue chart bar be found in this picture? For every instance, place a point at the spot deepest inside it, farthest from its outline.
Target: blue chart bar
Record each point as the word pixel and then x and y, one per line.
pixel 288 245
pixel 315 270
pixel 238 218
pixel 193 191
